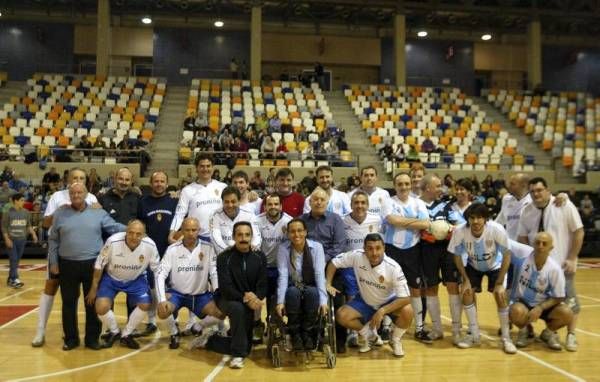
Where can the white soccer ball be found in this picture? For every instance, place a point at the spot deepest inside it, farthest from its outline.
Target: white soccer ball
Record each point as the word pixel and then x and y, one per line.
pixel 439 229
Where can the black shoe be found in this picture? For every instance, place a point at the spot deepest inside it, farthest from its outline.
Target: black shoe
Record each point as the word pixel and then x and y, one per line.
pixel 93 345
pixel 309 344
pixel 297 343
pixel 150 329
pixel 385 333
pixel 174 342
pixel 130 342
pixel 110 340
pixel 70 346
pixel 423 336
pixel 531 333
pixel 106 335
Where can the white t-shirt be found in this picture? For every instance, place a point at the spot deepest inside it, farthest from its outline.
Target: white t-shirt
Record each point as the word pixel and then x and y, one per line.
pixel 377 285
pixel 272 235
pixel 510 213
pixel 123 264
pixel 559 222
pixel 339 203
pixel 191 272
pixel 483 253
pixel 221 229
pixel 252 207
pixel 356 232
pixel 62 198
pixel 376 199
pixel 199 202
pixel 534 286
pixel 412 208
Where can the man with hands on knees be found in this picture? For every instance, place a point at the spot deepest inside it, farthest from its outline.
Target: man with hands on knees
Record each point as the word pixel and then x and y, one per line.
pixel 383 290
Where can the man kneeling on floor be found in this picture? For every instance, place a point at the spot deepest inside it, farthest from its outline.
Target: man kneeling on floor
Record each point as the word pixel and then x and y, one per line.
pixel 383 290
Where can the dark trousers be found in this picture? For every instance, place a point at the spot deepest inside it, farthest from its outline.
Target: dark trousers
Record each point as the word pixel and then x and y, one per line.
pixel 73 274
pixel 302 309
pixel 241 319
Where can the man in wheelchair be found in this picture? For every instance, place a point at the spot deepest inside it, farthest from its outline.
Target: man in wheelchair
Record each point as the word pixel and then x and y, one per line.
pixel 382 291
pixel 301 285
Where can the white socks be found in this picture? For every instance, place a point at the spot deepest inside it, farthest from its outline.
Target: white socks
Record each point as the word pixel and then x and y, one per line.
pixel 365 330
pixel 109 321
pixel 504 326
pixel 46 302
pixel 152 310
pixel 456 312
pixel 398 332
pixel 172 324
pixel 433 307
pixel 134 319
pixel 209 321
pixel 471 312
pixel 417 306
pixel 192 320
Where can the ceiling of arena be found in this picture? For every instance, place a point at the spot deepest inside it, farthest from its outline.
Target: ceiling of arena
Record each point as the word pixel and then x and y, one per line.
pixel 558 17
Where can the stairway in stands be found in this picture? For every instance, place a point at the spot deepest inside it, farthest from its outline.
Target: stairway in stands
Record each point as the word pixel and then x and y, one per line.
pixel 164 149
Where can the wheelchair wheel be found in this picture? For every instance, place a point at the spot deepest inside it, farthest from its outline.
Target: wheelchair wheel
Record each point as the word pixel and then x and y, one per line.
pixel 330 326
pixel 276 356
pixel 329 356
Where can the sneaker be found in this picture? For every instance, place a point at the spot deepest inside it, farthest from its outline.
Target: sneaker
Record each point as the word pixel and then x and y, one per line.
pixel 257 332
pixel 423 336
pixel 375 339
pixel 17 284
pixel 522 338
pixel 130 342
pixel 508 346
pixel 363 344
pixel 553 342
pixel 223 328
pixel 571 343
pixel 111 339
pixel 435 335
pixel 38 340
pixel 150 329
pixel 468 341
pixel 456 338
pixel 202 339
pixel 106 334
pixel 397 348
pixel 192 331
pixel 236 363
pixel 353 339
pixel 174 341
pixel 385 333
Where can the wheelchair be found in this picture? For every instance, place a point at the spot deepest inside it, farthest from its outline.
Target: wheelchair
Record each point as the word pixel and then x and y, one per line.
pixel 277 339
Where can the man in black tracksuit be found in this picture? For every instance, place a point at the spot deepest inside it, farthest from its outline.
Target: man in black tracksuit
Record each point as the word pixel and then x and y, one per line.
pixel 242 276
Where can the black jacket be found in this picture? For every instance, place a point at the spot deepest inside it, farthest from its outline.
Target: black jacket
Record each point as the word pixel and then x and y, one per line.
pixel 240 273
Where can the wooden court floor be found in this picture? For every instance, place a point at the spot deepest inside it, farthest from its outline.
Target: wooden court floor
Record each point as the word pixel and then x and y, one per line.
pixel 155 362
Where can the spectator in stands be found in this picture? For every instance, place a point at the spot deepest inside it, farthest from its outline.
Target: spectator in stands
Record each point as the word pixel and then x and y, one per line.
pixel 216 175
pixel 228 178
pixel 499 182
pixel 7 174
pixel 189 123
pixel 586 207
pixel 285 75
pixel 16 183
pixel 274 125
pixel 413 154
pixel 581 168
pixel 30 153
pixel 244 70
pixel 5 193
pixel 85 144
pixel 257 182
pixel 332 149
pixel 319 74
pixel 317 113
pixel 94 182
pixel 233 68
pixel 261 122
pixel 399 154
pixel 50 177
pixel 201 122
pixel 4 154
pixel 428 146
pixel 386 151
pixel 268 149
pixel 487 187
pixel 448 185
pixel 341 143
pixel 282 150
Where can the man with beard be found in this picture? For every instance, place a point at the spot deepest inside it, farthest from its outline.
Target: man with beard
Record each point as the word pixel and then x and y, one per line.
pixel 338 202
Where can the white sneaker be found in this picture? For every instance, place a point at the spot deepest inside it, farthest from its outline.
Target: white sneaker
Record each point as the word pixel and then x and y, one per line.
pixel 436 335
pixel 38 340
pixel 553 342
pixel 363 344
pixel 523 338
pixel 571 343
pixel 397 348
pixel 202 339
pixel 468 341
pixel 508 346
pixel 455 338
pixel 353 339
pixel 236 363
pixel 375 339
pixel 223 327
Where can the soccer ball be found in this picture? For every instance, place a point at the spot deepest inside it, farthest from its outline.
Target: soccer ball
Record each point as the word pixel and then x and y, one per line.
pixel 439 229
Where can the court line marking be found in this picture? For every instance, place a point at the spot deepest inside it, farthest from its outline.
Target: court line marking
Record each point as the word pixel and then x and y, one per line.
pixel 534 359
pixel 220 366
pixel 589 298
pixel 16 294
pixel 19 318
pixel 591 306
pixel 588 333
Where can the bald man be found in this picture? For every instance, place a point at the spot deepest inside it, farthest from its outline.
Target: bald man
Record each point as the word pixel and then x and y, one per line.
pixel 538 291
pixel 121 201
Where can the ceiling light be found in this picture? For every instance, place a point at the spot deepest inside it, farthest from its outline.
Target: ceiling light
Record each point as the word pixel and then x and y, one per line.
pixel 422 33
pixel 146 20
pixel 486 37
pixel 219 23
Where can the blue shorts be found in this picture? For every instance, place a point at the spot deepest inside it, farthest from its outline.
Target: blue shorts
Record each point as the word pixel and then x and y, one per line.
pixel 195 304
pixel 366 311
pixel 350 284
pixel 138 291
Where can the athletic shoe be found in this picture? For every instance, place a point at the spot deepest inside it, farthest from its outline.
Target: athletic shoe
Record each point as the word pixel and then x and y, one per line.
pixel 38 340
pixel 174 341
pixel 202 339
pixel 93 345
pixel 353 339
pixel 111 339
pixel 385 333
pixel 17 284
pixel 508 346
pixel 363 344
pixel 468 341
pixel 193 331
pixel 456 338
pixel 552 340
pixel 374 339
pixel 571 343
pixel 70 346
pixel 236 363
pixel 423 336
pixel 130 342
pixel 223 328
pixel 435 335
pixel 397 348
pixel 106 334
pixel 150 329
pixel 522 338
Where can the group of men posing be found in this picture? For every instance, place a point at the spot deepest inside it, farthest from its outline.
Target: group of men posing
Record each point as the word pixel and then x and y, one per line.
pixel 214 252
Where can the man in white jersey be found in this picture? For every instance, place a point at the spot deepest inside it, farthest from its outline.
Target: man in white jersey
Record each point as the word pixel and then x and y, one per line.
pixel 222 221
pixel 566 228
pixel 199 199
pixel 121 267
pixel 539 292
pixel 191 265
pixel 485 245
pixel 513 203
pixel 57 200
pixel 249 200
pixel 339 202
pixel 368 184
pixel 405 216
pixel 382 291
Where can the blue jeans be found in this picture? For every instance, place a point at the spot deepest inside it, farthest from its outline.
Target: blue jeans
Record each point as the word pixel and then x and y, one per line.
pixel 14 254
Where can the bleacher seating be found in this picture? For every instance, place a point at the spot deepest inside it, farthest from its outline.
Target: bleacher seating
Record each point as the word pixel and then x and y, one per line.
pixel 566 123
pixel 57 110
pixel 467 138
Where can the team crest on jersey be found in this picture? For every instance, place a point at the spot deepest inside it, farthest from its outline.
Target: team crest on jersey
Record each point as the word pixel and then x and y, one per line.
pixel 284 230
pixel 217 192
pixel 489 243
pixel 159 217
pixel 381 279
pixel 141 258
pixel 201 256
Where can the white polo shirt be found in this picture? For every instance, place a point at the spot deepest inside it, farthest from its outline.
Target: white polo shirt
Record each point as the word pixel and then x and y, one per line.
pixel 272 235
pixel 123 264
pixel 376 199
pixel 377 285
pixel 510 213
pixel 339 203
pixel 483 253
pixel 356 232
pixel 221 229
pixel 200 202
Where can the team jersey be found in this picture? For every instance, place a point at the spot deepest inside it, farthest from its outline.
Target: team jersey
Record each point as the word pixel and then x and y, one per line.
pixel 456 208
pixel 510 213
pixel 252 207
pixel 62 198
pixel 272 235
pixel 199 202
pixel 221 229
pixel 191 272
pixel 376 199
pixel 441 210
pixel 123 264
pixel 339 203
pixel 356 232
pixel 559 222
pixel 157 214
pixel 377 285
pixel 412 208
pixel 483 253
pixel 534 286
